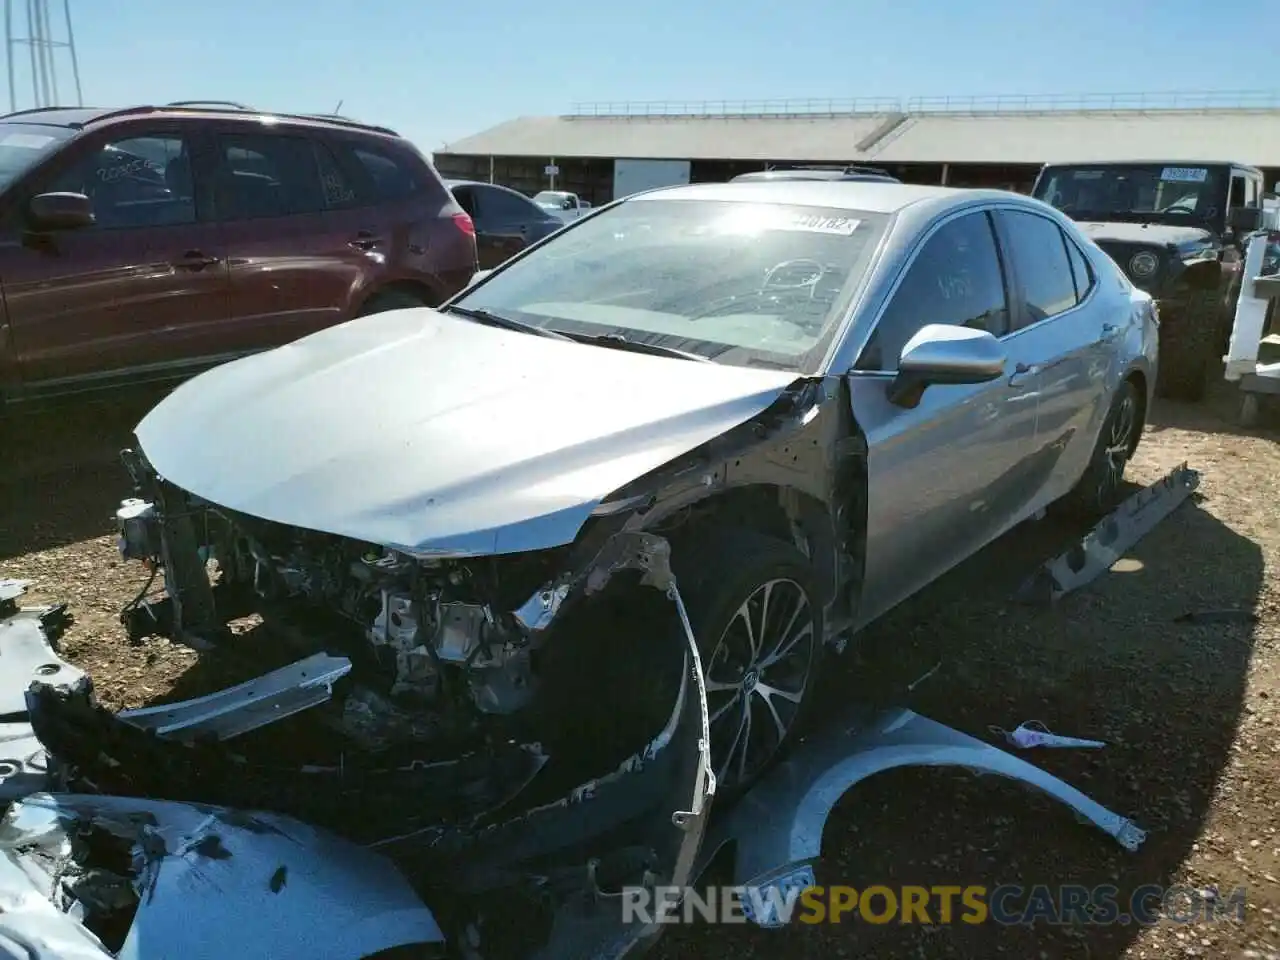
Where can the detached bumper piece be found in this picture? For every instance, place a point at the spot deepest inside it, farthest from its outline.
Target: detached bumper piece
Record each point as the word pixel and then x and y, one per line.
pixel 1107 542
pixel 131 876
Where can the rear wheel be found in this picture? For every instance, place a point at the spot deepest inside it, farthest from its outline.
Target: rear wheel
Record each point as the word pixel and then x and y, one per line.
pixel 1189 334
pixel 757 617
pixel 391 300
pixel 1100 489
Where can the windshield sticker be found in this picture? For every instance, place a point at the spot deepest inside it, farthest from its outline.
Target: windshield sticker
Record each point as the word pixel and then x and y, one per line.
pixel 836 226
pixel 30 141
pixel 1184 174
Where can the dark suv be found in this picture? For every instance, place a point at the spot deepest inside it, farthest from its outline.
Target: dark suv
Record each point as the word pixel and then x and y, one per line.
pixel 150 242
pixel 1177 229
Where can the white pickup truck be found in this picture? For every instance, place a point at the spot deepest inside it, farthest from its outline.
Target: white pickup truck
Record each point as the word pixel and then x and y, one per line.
pixel 560 203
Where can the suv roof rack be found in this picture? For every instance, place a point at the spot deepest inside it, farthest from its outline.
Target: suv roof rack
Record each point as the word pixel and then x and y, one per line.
pixel 220 106
pixel 208 103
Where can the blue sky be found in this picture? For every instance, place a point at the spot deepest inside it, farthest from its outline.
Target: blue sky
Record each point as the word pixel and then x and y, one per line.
pixel 441 71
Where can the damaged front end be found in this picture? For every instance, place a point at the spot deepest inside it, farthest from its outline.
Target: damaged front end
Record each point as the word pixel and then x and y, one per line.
pixel 481 854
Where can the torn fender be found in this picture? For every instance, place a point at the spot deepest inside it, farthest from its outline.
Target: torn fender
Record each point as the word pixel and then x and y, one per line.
pixel 210 883
pixel 777 827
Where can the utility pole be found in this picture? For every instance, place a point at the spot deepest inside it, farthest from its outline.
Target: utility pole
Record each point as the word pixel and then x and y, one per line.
pixel 37 35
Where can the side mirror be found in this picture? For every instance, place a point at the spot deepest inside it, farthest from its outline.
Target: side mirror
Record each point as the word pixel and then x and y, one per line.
pixel 60 211
pixel 941 353
pixel 1245 219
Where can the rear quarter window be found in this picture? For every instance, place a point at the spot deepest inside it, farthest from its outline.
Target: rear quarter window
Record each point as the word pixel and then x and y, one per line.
pixel 386 174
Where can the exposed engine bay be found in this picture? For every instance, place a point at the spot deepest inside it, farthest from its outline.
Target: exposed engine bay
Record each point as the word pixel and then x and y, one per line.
pixel 442 651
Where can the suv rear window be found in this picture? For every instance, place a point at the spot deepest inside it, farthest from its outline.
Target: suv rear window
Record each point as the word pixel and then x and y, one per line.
pixel 391 177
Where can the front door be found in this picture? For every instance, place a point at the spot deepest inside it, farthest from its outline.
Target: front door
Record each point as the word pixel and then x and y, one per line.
pixel 143 289
pixel 947 476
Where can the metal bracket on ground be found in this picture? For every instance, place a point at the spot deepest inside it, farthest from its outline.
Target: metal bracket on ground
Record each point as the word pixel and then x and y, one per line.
pixel 1106 543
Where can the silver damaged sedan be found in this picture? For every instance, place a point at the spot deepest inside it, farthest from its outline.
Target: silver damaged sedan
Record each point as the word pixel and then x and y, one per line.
pixel 731 422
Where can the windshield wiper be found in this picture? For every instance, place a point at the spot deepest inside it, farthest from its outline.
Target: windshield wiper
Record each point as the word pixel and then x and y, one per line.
pixel 618 342
pixel 506 323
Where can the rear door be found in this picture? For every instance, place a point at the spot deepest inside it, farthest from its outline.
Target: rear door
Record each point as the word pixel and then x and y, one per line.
pixel 1067 336
pixel 143 289
pixel 505 223
pixel 951 474
pixel 300 248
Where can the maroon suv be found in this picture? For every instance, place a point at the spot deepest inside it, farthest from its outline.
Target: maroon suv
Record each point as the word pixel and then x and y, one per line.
pixel 151 242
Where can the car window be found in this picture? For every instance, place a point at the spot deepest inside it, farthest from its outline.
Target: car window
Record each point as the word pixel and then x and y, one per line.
pixel 263 175
pixel 955 279
pixel 339 190
pixel 466 200
pixel 1081 272
pixel 499 206
pixel 138 182
pixel 741 283
pixel 1039 252
pixel 23 145
pixel 390 178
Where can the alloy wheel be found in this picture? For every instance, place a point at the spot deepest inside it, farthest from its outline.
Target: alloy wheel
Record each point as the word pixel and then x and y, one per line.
pixel 757 678
pixel 1118 447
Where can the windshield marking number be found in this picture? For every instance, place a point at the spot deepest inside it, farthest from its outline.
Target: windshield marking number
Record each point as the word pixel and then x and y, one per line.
pixel 1184 174
pixel 836 226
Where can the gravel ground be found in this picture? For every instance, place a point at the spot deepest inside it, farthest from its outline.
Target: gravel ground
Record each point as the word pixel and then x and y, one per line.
pixel 1190 712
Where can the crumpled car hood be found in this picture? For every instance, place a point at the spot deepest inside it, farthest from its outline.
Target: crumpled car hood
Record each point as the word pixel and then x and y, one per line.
pixel 1158 234
pixel 439 436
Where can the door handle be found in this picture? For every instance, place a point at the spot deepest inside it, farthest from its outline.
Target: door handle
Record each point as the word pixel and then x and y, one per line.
pixel 1024 374
pixel 195 260
pixel 364 241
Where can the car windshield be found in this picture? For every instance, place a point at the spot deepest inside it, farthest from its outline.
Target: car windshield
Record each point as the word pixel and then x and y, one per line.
pixel 1142 191
pixel 554 201
pixel 745 284
pixel 22 145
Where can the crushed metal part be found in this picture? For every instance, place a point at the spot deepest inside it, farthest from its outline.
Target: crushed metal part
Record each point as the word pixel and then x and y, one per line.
pixel 24 764
pixel 198 884
pixel 247 706
pixel 27 655
pixel 777 827
pixel 1107 542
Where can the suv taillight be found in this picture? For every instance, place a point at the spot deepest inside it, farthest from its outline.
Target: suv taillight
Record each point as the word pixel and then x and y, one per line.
pixel 464 223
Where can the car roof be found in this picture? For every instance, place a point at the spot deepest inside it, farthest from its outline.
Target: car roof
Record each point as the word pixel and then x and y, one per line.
pixel 1148 162
pixel 78 118
pixel 803 174
pixel 871 196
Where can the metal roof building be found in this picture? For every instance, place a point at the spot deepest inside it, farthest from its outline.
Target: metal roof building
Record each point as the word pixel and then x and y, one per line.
pixel 975 141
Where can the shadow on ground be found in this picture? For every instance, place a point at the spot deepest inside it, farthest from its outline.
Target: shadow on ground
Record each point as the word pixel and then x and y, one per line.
pixel 1107 663
pixel 60 476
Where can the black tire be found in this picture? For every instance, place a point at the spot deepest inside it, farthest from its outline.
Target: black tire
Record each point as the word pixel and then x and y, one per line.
pixel 770 580
pixel 1100 490
pixel 1189 335
pixel 391 300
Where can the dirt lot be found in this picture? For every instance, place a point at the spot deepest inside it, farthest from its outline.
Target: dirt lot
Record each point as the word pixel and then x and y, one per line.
pixel 1190 712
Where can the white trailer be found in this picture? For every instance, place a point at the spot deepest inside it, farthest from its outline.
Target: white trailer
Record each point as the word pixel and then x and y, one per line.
pixel 1244 362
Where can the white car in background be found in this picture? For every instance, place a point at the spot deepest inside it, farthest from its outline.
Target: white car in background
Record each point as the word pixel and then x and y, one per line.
pixel 560 203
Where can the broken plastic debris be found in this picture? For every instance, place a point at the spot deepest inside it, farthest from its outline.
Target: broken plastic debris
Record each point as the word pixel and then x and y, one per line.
pixel 1035 734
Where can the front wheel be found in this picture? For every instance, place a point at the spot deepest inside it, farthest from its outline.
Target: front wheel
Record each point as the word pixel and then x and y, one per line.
pixel 1189 337
pixel 757 617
